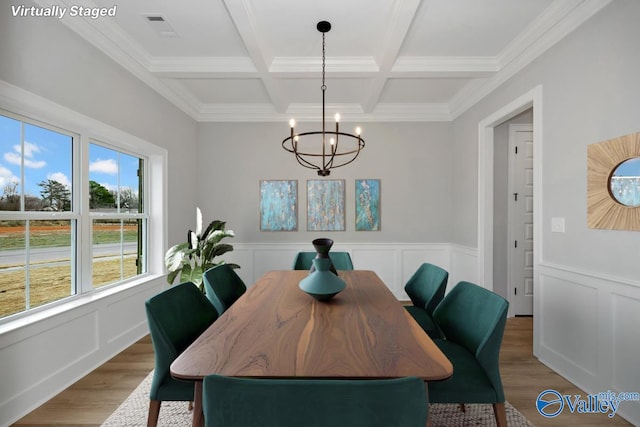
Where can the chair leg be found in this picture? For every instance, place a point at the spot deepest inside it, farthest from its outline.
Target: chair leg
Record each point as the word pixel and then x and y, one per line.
pixel 154 413
pixel 462 408
pixel 500 414
pixel 190 405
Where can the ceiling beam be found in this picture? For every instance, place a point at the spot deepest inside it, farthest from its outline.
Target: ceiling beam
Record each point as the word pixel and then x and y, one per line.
pixel 399 23
pixel 243 18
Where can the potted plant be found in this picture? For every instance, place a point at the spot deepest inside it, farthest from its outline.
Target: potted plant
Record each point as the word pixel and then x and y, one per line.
pixel 195 256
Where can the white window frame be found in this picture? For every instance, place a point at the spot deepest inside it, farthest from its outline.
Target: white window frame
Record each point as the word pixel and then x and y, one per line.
pixel 26 106
pixel 87 280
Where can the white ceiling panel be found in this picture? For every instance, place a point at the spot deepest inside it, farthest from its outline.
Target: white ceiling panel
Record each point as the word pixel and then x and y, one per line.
pixel 203 28
pixel 469 28
pixel 339 90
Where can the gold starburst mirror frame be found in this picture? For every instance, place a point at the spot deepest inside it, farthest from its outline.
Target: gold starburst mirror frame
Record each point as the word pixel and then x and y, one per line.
pixel 613 183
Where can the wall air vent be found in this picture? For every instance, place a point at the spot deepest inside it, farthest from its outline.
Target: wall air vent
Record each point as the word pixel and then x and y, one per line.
pixel 160 25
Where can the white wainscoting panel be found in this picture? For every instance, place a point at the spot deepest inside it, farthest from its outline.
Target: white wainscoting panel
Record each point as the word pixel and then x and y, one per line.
pixel 589 329
pixel 385 262
pixel 464 266
pixel 625 349
pixel 50 351
pixel 580 317
pixel 35 360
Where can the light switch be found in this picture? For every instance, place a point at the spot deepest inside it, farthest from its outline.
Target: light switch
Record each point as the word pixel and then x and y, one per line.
pixel 557 225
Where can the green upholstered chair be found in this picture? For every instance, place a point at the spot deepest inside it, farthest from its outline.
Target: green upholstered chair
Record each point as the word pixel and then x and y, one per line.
pixel 426 289
pixel 176 317
pixel 472 319
pixel 341 260
pixel 246 402
pixel 223 286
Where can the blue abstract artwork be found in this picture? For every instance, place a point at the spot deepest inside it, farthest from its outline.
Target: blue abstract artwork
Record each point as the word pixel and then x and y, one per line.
pixel 325 205
pixel 367 205
pixel 279 205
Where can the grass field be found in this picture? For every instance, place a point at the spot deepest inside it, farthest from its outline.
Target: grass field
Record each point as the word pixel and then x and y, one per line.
pixel 48 282
pixel 45 234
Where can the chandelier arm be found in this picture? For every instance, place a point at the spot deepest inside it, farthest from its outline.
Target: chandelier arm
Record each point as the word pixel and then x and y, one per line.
pixel 301 160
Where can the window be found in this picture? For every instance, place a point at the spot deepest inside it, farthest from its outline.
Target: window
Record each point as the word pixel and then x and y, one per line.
pixel 117 220
pixel 67 226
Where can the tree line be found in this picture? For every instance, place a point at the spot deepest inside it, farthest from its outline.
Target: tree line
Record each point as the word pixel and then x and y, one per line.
pixel 55 196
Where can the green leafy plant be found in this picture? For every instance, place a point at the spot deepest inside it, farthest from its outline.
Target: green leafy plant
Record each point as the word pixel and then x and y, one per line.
pixel 195 256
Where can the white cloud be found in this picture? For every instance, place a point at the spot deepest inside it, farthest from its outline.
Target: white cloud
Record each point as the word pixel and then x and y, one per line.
pixel 34 164
pixel 60 177
pixel 108 166
pixel 29 149
pixel 110 187
pixel 15 157
pixel 6 177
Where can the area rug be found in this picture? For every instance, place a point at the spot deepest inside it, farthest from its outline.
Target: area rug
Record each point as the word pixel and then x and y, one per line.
pixel 133 413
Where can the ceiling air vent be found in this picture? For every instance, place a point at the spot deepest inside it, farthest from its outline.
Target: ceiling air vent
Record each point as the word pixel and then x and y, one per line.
pixel 160 25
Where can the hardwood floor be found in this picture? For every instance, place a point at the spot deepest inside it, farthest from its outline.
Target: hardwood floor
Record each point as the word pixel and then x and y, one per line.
pixel 91 400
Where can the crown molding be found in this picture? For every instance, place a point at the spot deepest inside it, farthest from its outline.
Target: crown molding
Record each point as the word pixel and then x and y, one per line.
pixel 312 113
pixel 415 112
pixel 238 113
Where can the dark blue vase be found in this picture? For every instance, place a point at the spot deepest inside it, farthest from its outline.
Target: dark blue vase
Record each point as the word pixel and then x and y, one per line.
pixel 322 284
pixel 322 247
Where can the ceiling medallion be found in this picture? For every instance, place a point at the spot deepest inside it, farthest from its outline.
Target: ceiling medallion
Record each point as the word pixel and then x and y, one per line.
pixel 333 148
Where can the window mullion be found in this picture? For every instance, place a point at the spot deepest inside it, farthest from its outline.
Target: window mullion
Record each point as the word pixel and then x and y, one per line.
pixel 84 251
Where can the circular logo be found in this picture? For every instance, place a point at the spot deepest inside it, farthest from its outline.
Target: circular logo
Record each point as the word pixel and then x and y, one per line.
pixel 549 403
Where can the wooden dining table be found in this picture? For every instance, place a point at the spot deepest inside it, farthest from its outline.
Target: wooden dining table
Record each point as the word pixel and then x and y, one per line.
pixel 275 330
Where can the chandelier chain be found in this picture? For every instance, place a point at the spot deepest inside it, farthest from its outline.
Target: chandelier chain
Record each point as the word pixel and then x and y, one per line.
pixel 323 87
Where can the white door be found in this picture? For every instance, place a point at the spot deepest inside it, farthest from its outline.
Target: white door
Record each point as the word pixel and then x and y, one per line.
pixel 521 219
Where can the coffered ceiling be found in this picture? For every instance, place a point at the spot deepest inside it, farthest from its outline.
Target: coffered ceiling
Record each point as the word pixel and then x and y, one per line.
pixel 393 60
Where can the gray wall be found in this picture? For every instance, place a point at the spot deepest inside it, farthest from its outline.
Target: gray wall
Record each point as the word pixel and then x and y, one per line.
pixel 45 57
pixel 590 94
pixel 412 160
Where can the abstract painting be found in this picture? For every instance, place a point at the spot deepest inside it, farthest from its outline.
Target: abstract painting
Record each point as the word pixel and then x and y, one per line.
pixel 325 205
pixel 367 205
pixel 279 205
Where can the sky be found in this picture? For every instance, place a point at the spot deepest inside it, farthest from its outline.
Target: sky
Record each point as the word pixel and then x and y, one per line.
pixel 48 155
pixel 629 167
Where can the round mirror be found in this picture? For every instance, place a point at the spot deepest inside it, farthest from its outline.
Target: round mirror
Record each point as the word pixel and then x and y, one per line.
pixel 624 182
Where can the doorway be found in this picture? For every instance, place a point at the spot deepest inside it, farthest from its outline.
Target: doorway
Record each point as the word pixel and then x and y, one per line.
pixel 513 212
pixel 486 128
pixel 520 223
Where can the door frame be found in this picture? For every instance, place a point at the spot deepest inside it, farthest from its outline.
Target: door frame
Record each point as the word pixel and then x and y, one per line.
pixel 531 99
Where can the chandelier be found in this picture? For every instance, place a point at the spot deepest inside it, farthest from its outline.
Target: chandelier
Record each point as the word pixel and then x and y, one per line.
pixel 325 149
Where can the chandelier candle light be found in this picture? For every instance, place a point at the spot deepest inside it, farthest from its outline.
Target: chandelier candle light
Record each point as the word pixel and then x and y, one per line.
pixel 330 154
